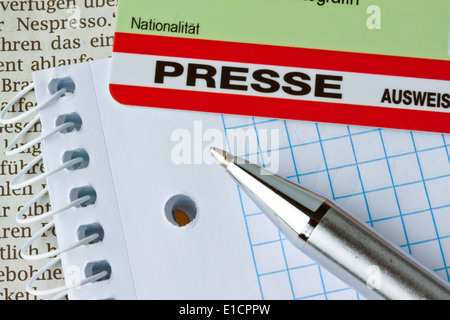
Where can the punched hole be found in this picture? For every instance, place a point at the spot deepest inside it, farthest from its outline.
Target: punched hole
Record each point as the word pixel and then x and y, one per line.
pixel 74 154
pixel 71 117
pixel 86 231
pixel 79 193
pixel 180 210
pixel 62 83
pixel 97 267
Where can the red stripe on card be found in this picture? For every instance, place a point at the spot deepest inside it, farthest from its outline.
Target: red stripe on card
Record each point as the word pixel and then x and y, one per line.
pixel 282 108
pixel 282 56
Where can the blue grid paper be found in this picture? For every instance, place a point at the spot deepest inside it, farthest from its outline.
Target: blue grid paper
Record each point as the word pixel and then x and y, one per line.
pixel 396 181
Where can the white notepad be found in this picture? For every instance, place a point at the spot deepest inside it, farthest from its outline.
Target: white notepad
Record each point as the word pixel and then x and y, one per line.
pixel 396 181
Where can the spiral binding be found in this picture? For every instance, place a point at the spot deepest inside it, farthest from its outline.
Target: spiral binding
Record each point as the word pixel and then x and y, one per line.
pixel 58 292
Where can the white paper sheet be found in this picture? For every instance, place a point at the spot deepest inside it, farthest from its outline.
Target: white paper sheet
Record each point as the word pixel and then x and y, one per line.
pixel 396 181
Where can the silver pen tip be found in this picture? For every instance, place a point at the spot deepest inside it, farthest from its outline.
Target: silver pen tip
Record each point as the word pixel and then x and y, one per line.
pixel 223 158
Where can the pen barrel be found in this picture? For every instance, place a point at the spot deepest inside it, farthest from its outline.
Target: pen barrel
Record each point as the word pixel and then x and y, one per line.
pixel 370 264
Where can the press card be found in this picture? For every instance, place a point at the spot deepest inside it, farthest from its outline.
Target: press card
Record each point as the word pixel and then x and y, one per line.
pixel 371 63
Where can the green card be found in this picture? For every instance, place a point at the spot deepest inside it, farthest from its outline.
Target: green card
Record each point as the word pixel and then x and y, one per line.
pixel 378 63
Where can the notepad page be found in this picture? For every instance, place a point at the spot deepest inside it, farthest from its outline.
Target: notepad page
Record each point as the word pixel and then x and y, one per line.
pixel 134 175
pixel 211 258
pixel 395 181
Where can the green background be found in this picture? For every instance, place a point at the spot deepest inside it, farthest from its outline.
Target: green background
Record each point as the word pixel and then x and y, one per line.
pixel 415 28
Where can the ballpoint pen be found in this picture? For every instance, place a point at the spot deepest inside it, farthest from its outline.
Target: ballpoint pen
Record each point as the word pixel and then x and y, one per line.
pixel 335 239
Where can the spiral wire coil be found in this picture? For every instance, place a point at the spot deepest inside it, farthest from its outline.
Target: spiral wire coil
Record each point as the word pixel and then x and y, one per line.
pixel 16 183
